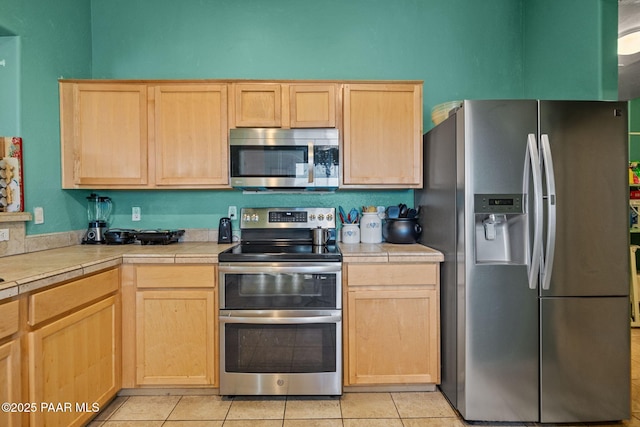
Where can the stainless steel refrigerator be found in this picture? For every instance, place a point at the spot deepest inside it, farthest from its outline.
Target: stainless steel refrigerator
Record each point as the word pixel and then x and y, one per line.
pixel 528 201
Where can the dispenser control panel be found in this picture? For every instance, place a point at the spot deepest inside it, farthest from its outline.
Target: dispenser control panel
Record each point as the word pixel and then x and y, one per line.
pixel 498 203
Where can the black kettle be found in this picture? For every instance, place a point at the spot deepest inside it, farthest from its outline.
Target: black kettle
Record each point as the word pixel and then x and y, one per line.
pixel 224 231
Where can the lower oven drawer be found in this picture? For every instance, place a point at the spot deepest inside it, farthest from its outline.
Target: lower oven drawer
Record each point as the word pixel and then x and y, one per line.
pixel 280 352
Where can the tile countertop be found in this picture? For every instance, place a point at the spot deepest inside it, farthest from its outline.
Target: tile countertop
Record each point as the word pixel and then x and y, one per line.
pixel 388 252
pixel 29 272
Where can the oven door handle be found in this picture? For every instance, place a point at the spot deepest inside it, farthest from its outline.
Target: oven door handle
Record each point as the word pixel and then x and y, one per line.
pixel 288 319
pixel 275 268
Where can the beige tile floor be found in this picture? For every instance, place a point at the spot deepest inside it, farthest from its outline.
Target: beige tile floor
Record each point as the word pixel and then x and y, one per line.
pixel 411 409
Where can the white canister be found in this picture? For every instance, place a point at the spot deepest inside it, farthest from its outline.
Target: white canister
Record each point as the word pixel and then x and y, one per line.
pixel 370 228
pixel 350 233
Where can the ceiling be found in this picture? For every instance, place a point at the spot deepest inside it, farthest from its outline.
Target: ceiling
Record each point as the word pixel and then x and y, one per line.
pixel 629 65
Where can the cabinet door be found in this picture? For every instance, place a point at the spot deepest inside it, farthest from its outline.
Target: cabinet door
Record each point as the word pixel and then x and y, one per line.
pixel 76 360
pixel 258 105
pixel 107 145
pixel 191 135
pixel 393 336
pixel 175 337
pixel 383 135
pixel 312 106
pixel 10 381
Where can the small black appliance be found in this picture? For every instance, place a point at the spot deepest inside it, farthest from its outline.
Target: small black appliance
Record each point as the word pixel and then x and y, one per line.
pixel 224 231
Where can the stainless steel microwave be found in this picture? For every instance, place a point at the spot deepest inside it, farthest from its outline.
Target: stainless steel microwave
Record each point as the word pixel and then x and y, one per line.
pixel 262 158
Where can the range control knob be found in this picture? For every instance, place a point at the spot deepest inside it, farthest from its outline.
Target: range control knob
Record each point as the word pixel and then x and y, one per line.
pixel 312 217
pixel 329 217
pixel 320 217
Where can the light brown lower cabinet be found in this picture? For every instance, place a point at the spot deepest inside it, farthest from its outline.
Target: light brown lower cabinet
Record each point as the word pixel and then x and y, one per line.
pixel 10 382
pixel 10 366
pixel 175 337
pixel 74 365
pixel 392 324
pixel 170 319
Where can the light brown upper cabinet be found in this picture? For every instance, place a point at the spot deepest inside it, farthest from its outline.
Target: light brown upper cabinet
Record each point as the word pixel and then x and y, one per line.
pixel 103 134
pixel 190 134
pixel 257 105
pixel 382 135
pixel 284 105
pixel 313 105
pixel 144 134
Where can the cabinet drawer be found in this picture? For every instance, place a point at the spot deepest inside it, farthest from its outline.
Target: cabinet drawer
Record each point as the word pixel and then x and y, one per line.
pixel 390 274
pixel 8 319
pixel 50 303
pixel 175 276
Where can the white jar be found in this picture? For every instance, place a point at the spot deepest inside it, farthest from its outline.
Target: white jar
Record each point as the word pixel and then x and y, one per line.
pixel 350 233
pixel 370 228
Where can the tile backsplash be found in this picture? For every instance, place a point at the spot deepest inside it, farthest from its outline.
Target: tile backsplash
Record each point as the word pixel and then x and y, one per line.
pixel 19 243
pixel 16 242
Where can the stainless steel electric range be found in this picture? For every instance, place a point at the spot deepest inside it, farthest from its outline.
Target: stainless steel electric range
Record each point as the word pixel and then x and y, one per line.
pixel 281 305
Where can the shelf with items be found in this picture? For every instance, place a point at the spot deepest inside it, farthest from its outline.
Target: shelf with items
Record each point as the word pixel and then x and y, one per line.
pixel 634 215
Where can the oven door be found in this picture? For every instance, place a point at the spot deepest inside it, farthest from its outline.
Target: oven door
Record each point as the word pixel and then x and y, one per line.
pixel 280 286
pixel 280 352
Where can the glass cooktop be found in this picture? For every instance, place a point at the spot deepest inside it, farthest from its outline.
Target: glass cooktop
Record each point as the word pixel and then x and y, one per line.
pixel 289 252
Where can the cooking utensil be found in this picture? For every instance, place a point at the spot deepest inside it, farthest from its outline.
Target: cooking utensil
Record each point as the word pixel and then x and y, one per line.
pixel 342 214
pixel 353 216
pixel 412 213
pixel 119 236
pixel 158 237
pixel 320 236
pixel 393 212
pixel 403 210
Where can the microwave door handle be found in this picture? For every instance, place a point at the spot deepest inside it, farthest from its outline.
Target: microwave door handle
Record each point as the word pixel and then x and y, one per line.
pixel 311 161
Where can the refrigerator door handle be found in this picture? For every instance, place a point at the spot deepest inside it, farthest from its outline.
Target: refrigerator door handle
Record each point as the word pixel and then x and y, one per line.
pixel 547 159
pixel 532 161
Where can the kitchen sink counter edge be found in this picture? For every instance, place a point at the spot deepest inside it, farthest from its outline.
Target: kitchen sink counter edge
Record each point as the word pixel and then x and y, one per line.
pixel 36 270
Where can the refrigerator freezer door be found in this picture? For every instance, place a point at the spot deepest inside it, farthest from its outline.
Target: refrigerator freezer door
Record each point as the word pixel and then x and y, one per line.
pixel 585 347
pixel 588 144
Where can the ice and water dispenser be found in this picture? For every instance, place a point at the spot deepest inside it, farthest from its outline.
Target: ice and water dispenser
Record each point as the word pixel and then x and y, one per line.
pixel 500 229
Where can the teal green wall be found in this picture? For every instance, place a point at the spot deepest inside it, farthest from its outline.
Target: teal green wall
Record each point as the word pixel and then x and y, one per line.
pixel 459 48
pixel 55 41
pixel 571 49
pixel 10 85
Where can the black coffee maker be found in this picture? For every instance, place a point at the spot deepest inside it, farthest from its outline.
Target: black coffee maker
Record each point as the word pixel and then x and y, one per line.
pixel 224 231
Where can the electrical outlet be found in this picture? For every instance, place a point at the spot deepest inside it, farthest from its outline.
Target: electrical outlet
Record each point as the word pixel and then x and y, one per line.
pixel 136 215
pixel 38 215
pixel 4 235
pixel 233 212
